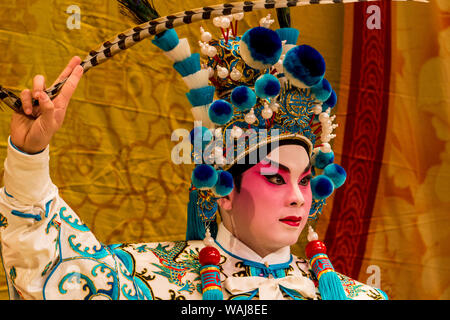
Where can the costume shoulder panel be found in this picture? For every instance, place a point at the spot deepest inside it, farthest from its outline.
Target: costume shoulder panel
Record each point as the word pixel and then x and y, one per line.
pixel 359 291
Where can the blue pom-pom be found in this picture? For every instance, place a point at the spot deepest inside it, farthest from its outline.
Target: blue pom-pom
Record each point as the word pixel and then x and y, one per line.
pixel 220 112
pixel 224 184
pixel 322 90
pixel 304 66
pixel 204 176
pixel 260 47
pixel 243 98
pixel 167 40
pixel 336 173
pixel 322 187
pixel 322 159
pixel 267 86
pixel 288 34
pixel 330 102
pixel 189 65
pixel 200 137
pixel 201 96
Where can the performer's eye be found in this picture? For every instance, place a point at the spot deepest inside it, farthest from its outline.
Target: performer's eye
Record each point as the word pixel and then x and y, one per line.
pixel 305 181
pixel 275 179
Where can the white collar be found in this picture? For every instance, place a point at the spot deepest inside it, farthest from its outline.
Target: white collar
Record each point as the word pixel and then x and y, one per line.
pixel 233 245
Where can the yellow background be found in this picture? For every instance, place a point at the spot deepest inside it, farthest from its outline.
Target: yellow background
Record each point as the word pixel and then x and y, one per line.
pixel 111 158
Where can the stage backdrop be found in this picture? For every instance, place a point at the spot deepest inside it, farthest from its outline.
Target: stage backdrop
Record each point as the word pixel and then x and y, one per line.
pixel 388 226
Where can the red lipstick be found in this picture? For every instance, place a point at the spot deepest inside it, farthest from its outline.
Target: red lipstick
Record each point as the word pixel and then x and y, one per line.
pixel 292 221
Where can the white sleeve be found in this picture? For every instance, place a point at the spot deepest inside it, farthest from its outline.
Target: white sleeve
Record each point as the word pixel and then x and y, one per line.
pixel 47 252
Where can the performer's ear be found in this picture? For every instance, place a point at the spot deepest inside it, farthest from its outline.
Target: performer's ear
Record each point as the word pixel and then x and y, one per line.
pixel 226 202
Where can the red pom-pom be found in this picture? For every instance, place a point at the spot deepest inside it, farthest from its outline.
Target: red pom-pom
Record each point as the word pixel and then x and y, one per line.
pixel 209 255
pixel 315 247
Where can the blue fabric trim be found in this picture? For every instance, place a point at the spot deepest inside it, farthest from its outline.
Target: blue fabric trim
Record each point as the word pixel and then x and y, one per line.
pixel 4 189
pixel 26 215
pixel 272 269
pixel 47 207
pixel 28 154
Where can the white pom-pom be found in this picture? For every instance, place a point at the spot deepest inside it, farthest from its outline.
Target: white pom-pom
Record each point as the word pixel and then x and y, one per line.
pixel 225 23
pixel 312 236
pixel 180 52
pixel 197 80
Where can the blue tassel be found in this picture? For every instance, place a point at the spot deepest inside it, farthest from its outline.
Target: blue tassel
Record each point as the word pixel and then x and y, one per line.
pixel 211 284
pixel 195 226
pixel 167 40
pixel 201 96
pixel 188 66
pixel 288 34
pixel 330 287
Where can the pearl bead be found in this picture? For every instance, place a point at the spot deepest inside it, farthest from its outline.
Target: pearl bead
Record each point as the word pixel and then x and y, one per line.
pixel 317 109
pixel 274 106
pixel 206 37
pixel 212 51
pixel 250 117
pixel 236 132
pixel 218 132
pixel 312 236
pixel 267 113
pixel 323 117
pixel 222 72
pixel 235 74
pixel 218 151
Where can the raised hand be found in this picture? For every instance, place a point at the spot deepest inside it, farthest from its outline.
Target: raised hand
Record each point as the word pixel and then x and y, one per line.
pixel 33 135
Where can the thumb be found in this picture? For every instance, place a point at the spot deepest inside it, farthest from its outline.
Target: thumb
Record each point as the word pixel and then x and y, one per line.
pixel 47 108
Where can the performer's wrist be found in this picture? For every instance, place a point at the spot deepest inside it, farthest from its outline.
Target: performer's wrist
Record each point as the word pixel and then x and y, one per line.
pixel 23 151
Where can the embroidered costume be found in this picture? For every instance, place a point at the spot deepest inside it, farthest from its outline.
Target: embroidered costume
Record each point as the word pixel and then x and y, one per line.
pixel 248 93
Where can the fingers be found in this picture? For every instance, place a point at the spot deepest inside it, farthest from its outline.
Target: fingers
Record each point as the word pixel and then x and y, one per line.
pixel 46 108
pixel 69 86
pixel 25 97
pixel 38 85
pixel 68 70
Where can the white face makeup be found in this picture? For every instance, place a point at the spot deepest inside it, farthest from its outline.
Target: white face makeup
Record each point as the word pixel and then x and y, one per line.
pixel 272 207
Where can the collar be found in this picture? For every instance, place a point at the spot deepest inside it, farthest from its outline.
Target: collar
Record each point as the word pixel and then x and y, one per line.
pixel 232 245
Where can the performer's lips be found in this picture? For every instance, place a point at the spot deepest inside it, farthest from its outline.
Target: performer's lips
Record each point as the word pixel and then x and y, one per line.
pixel 292 221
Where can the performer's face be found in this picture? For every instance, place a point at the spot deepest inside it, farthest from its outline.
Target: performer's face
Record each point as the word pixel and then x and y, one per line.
pixel 273 204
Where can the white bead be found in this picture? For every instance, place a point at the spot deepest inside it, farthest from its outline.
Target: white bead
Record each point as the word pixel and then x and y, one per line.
pixel 225 22
pixel 267 113
pixel 238 16
pixel 211 52
pixel 325 148
pixel 312 236
pixel 250 117
pixel 236 132
pixel 222 72
pixel 317 109
pixel 235 74
pixel 323 116
pixel 206 37
pixel 218 151
pixel 204 49
pixel 274 106
pixel 217 21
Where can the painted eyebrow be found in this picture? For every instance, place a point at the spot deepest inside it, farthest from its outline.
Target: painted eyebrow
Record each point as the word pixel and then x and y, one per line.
pixel 284 168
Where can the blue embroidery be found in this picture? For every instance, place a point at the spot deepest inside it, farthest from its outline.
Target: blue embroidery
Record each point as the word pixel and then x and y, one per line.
pixel 99 253
pixel 47 208
pixel 26 215
pixel 75 224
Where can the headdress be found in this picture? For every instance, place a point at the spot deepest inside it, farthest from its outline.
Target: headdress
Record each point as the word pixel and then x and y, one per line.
pixel 248 92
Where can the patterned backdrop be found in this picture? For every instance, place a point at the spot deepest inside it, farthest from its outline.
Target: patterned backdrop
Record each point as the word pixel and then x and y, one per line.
pixel 387 226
